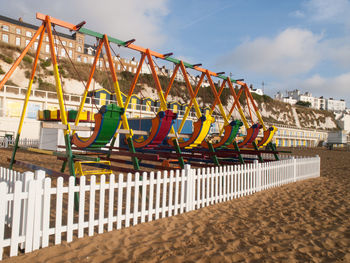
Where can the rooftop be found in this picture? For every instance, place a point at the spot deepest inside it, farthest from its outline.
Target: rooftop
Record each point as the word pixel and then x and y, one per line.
pixel 31 26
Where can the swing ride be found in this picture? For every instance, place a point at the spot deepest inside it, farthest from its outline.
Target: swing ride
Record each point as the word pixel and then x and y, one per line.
pixel 162 144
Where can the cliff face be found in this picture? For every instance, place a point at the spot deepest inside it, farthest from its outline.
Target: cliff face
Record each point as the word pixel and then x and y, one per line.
pixel 271 110
pixel 274 111
pixel 283 113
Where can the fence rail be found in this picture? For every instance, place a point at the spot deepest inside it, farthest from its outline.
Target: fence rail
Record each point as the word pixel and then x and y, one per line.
pixel 35 214
pixel 7 142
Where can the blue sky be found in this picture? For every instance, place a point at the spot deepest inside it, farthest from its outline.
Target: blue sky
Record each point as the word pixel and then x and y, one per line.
pixel 287 44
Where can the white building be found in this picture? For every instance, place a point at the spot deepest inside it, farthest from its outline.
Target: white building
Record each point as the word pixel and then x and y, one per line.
pixel 335 105
pixel 279 96
pixel 257 91
pixel 316 103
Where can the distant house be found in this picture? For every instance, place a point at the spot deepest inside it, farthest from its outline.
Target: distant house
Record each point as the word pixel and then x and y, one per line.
pixel 100 97
pixel 320 103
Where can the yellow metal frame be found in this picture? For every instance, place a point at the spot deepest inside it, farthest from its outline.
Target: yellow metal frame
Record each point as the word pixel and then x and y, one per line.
pixel 80 172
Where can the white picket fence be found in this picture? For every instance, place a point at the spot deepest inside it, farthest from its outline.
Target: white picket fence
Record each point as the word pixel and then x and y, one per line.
pixel 6 142
pixel 34 214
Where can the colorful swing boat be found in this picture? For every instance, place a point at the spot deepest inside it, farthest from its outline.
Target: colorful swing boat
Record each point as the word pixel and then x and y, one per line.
pixel 230 132
pixel 200 131
pixel 106 123
pixel 161 126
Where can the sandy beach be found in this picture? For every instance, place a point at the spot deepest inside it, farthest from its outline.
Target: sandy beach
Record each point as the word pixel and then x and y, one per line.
pixel 307 221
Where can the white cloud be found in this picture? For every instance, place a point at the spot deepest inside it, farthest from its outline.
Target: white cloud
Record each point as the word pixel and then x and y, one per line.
pixel 328 10
pixel 293 51
pixel 337 50
pixel 298 14
pixel 122 19
pixel 325 11
pixel 336 87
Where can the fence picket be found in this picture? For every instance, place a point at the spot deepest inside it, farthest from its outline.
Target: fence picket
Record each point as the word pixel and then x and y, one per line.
pixel 59 196
pixel 128 200
pixel 143 204
pixel 81 206
pixel 164 193
pixel 202 176
pixel 46 212
pixel 170 201
pixel 120 201
pixel 3 204
pixel 29 223
pixel 198 177
pixel 136 198
pixel 26 178
pixel 70 214
pixel 212 178
pixel 151 193
pixel 101 204
pixel 224 195
pixel 176 202
pixel 111 202
pixel 158 182
pixel 207 178
pixel 92 205
pixel 38 211
pixel 188 188
pixel 220 178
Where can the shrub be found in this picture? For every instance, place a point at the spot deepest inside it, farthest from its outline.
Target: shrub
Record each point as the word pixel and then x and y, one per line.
pixel 1 70
pixel 303 103
pixel 27 74
pixel 7 59
pixel 27 59
pixel 11 83
pixel 43 85
pixel 62 72
pixel 45 63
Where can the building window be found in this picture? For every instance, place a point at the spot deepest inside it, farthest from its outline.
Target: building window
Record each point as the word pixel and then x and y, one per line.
pixel 5 38
pixel 79 58
pixel 80 40
pixel 134 70
pixel 28 34
pixel 130 69
pixel 64 43
pixel 70 44
pixel 63 52
pixel 18 41
pixel 79 49
pixel 56 50
pixel 118 66
pixel 36 45
pixel 70 52
pixel 27 42
pixel 47 49
pixel 85 59
pixel 56 41
pixel 89 51
pixel 18 31
pixel 107 64
pixel 47 39
pixel 5 28
pixel 91 60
